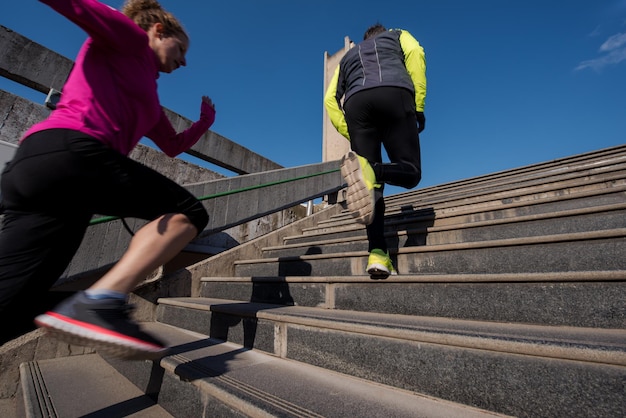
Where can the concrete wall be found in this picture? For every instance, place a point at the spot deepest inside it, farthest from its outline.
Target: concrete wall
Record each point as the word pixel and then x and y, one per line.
pixel 6 152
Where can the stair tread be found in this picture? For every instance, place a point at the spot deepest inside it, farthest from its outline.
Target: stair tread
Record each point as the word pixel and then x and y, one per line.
pixel 85 385
pixel 575 236
pixel 556 276
pixel 325 237
pixel 574 343
pixel 231 373
pixel 479 192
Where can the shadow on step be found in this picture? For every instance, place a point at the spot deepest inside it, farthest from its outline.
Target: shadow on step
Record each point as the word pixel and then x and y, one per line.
pixel 415 223
pixel 230 321
pixel 291 267
pixel 275 292
pixel 199 368
pixel 123 409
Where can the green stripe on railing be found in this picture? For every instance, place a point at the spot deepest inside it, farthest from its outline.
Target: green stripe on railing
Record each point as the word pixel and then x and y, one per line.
pixel 105 219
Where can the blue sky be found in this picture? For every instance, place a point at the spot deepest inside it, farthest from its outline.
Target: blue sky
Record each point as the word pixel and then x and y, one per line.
pixel 510 83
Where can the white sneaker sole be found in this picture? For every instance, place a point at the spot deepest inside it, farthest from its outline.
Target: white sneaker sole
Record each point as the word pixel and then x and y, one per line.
pixel 359 200
pixel 114 344
pixel 379 271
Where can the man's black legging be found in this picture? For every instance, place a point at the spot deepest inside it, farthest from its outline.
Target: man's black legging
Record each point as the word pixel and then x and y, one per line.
pixel 385 117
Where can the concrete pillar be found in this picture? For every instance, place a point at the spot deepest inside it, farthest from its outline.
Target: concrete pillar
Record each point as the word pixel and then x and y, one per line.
pixel 334 144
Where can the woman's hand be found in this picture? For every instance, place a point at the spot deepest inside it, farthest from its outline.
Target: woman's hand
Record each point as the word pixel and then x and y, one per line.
pixel 207 110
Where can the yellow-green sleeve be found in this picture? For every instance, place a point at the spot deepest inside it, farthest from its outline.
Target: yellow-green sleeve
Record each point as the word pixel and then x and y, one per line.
pixel 331 102
pixel 415 62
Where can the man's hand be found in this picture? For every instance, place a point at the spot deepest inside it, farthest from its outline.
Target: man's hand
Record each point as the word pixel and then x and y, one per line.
pixel 421 121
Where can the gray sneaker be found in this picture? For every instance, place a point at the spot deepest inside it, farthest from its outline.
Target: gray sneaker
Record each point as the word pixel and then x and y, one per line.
pixel 362 188
pixel 103 324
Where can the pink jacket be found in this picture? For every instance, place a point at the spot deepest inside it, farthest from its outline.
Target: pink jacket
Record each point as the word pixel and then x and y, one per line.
pixel 111 93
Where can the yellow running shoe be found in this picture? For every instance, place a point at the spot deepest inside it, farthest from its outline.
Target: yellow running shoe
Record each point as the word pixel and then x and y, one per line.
pixel 379 265
pixel 361 180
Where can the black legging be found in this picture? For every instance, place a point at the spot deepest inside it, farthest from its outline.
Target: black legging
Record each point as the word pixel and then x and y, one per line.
pixel 385 116
pixel 57 181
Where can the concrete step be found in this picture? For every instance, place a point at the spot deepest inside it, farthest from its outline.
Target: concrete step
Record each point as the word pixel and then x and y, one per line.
pixel 410 217
pixel 208 377
pixel 516 179
pixel 81 386
pixel 586 179
pixel 583 251
pixel 582 299
pixel 515 198
pixel 355 239
pixel 519 370
pixel 562 165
